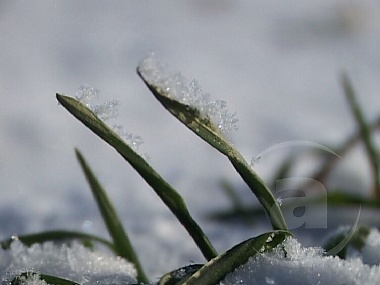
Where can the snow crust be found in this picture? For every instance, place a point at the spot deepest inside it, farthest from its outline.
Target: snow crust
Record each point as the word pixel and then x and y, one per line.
pixel 178 87
pixel 76 263
pixel 309 265
pixel 289 263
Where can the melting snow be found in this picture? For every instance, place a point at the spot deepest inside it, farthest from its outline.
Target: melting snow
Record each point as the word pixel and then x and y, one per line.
pixel 176 86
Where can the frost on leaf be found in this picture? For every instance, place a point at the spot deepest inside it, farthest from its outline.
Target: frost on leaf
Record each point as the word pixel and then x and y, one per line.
pixel 177 87
pixel 133 140
pixel 86 95
pixel 105 111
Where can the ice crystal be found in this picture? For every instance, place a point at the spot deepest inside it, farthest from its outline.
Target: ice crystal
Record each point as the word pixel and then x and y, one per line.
pixel 177 87
pixel 291 263
pixel 133 140
pixel 86 95
pixel 75 262
pixel 105 111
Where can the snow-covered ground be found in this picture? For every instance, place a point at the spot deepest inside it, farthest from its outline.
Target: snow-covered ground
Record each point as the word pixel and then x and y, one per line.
pixel 276 63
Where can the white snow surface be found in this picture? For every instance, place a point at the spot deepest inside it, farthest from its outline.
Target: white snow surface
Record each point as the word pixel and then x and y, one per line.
pixel 76 263
pixel 301 265
pixel 308 266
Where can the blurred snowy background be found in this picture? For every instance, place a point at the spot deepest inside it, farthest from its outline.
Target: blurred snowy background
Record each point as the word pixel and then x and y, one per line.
pixel 276 63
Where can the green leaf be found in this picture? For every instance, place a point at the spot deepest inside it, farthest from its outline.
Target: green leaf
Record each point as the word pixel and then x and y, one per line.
pixel 122 244
pixel 322 173
pixel 167 193
pixel 216 269
pixel 206 129
pixel 365 130
pixel 238 207
pixel 173 277
pixel 30 239
pixel 50 279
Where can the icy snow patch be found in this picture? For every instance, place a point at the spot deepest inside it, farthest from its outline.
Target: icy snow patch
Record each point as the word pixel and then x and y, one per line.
pixel 76 263
pixel 177 87
pixel 304 266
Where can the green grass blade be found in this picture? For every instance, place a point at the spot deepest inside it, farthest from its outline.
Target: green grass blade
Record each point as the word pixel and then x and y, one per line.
pixel 216 269
pixel 322 173
pixel 365 130
pixel 50 279
pixel 204 128
pixel 30 239
pixel 168 194
pixel 122 244
pixel 238 206
pixel 173 277
pixel 232 195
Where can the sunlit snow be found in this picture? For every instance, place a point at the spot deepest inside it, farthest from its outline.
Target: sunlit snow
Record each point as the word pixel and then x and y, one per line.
pixel 88 96
pixel 308 265
pixel 289 263
pixel 76 263
pixel 176 86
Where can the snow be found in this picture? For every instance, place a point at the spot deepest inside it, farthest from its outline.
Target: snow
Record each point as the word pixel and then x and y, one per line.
pixel 76 263
pixel 276 62
pixel 176 86
pixel 105 111
pixel 306 266
pixel 288 263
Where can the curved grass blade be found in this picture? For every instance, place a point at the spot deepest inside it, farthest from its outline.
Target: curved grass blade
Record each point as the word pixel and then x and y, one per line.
pixel 238 206
pixel 167 193
pixel 216 269
pixel 30 239
pixel 335 198
pixel 122 244
pixel 322 173
pixel 50 279
pixel 206 129
pixel 175 276
pixel 365 131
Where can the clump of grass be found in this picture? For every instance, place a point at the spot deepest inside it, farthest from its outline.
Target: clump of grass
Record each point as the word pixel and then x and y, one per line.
pixel 203 124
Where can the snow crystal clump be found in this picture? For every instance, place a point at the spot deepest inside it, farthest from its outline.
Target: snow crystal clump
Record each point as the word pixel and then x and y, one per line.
pixel 290 263
pixel 105 111
pixel 177 87
pixel 88 95
pixel 76 263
